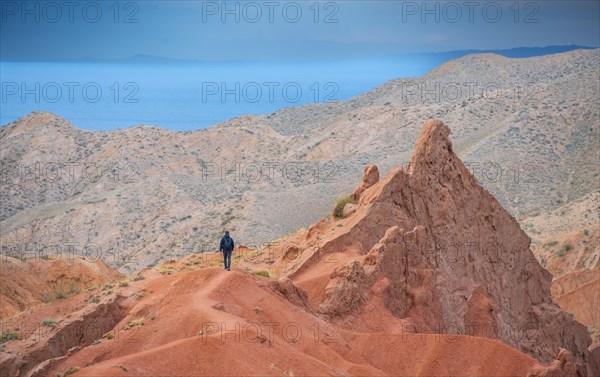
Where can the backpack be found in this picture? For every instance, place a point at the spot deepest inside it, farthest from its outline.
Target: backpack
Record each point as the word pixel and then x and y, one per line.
pixel 227 244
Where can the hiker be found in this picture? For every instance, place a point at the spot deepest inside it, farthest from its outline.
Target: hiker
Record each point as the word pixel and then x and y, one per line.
pixel 227 247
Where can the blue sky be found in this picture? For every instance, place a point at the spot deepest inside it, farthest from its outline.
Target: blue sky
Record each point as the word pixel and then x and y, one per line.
pixel 263 30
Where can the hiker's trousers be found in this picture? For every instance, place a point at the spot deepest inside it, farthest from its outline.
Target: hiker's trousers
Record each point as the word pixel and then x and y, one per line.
pixel 227 259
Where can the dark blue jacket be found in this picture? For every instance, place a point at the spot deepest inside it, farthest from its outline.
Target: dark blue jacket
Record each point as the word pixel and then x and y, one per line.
pixel 223 244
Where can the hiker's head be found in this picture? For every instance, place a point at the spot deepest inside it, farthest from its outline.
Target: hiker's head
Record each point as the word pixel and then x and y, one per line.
pixel 226 232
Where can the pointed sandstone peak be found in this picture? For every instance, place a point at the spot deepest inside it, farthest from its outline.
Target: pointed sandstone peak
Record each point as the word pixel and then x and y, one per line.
pixel 433 143
pixel 449 258
pixel 433 155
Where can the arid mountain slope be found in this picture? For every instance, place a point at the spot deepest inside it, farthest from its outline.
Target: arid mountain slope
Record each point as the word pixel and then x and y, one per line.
pixel 567 244
pixel 528 129
pixel 389 290
pixel 568 238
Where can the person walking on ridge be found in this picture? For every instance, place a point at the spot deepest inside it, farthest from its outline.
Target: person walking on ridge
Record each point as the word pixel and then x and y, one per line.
pixel 226 247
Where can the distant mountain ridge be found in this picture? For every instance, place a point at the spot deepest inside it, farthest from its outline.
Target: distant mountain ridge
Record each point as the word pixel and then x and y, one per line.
pixel 435 57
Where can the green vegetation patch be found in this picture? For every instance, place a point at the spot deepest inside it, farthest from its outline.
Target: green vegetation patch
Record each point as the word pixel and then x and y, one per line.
pixel 339 206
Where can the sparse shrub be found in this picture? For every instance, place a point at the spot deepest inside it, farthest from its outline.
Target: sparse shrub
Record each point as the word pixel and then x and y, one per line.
pixel 50 322
pixel 586 232
pixel 9 335
pixel 560 253
pixel 95 300
pixel 339 206
pixel 567 246
pixel 138 278
pixel 123 284
pixel 59 294
pixel 262 273
pixel 139 296
pixel 47 298
pixel 551 243
pixel 227 220
pixel 109 336
pixel 73 288
pixel 134 323
pixel 68 372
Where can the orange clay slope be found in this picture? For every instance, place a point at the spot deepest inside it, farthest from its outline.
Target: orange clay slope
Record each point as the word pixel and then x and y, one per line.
pixel 29 282
pixel 393 289
pixel 210 322
pixel 578 292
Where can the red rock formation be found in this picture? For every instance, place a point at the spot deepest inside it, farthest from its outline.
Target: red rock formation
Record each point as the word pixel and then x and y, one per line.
pixel 370 177
pixel 562 366
pixel 450 259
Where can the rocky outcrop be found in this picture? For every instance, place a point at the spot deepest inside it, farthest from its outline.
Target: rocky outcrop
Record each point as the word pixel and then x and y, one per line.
pixel 370 177
pixel 79 330
pixel 453 259
pixel 563 366
pixel 349 209
pixel 291 292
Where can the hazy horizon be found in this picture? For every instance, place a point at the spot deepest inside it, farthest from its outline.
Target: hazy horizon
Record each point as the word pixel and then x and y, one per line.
pixel 190 96
pixel 217 60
